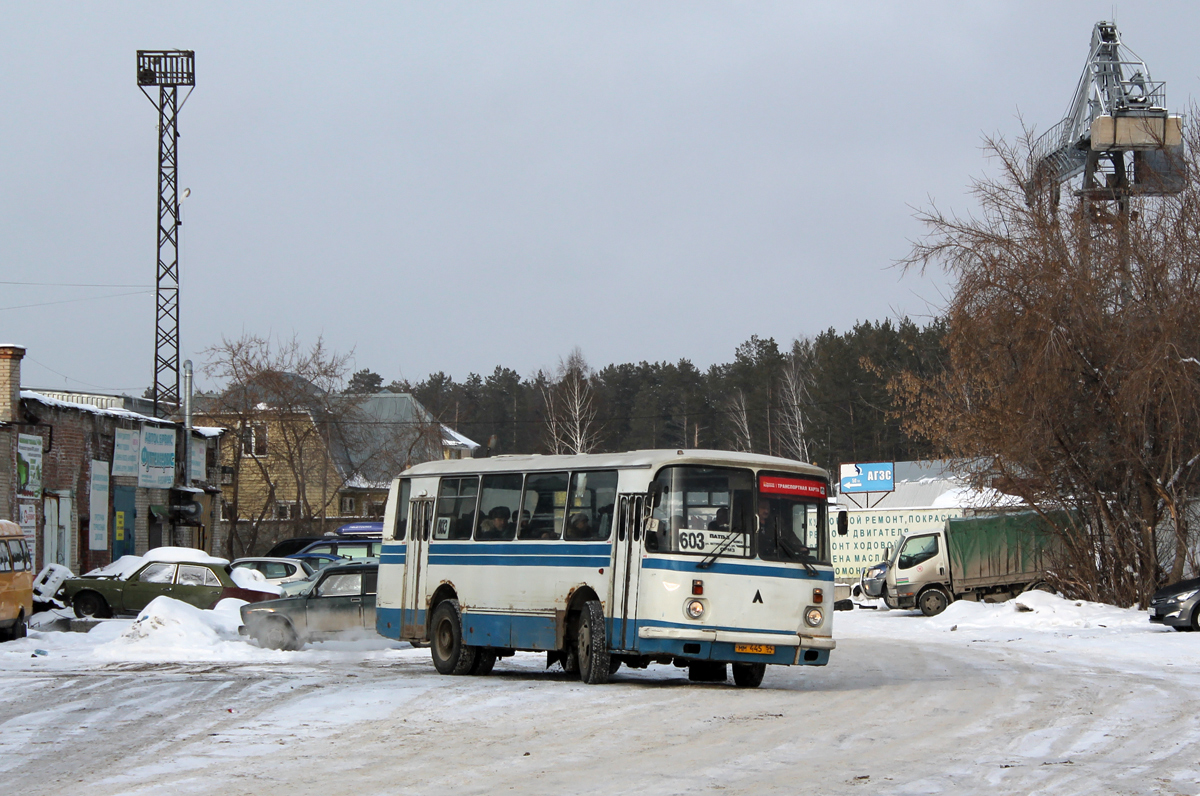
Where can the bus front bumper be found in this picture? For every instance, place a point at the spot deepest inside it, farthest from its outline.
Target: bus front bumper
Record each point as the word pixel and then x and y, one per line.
pixel 729 637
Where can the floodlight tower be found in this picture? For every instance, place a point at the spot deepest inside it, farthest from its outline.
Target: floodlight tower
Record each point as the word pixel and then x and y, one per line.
pixel 167 69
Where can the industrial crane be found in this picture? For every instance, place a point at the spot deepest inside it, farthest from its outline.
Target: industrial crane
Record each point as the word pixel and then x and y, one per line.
pixel 1117 110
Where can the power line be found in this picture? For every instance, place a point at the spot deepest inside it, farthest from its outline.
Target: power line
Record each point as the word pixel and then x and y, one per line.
pixel 72 301
pixel 67 284
pixel 77 381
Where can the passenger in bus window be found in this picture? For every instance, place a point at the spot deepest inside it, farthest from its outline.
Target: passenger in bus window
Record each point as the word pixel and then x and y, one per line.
pixel 496 527
pixel 523 525
pixel 720 521
pixel 580 527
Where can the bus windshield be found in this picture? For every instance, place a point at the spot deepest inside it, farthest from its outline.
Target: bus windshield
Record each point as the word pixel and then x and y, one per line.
pixel 703 511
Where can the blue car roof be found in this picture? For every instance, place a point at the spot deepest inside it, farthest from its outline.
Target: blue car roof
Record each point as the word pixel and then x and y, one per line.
pixel 357 528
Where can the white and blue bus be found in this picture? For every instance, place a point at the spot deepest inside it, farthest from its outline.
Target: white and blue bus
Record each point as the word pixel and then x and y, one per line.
pixel 695 558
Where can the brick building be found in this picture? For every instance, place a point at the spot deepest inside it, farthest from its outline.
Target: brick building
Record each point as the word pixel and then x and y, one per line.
pixel 89 480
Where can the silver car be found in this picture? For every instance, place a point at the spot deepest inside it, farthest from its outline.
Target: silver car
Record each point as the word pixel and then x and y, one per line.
pixel 276 570
pixel 1177 605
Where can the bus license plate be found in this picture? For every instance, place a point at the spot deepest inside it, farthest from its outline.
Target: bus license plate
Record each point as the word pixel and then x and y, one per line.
pixel 755 649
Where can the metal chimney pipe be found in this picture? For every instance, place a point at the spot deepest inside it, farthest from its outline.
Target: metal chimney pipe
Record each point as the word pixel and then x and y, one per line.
pixel 187 394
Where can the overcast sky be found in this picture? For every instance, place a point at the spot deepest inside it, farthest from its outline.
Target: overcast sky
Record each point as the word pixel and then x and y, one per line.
pixel 445 186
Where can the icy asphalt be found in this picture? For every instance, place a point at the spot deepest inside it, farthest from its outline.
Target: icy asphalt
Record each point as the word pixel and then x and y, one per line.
pixel 1063 698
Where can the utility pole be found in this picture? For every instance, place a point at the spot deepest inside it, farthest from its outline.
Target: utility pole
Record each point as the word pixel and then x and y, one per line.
pixel 167 69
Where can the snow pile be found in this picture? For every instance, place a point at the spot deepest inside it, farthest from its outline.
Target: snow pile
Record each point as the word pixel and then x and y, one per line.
pixel 188 555
pixel 120 569
pixel 252 579
pixel 1037 610
pixel 168 629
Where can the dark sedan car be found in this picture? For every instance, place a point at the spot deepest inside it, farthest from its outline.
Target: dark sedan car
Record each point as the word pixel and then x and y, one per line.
pixel 1177 605
pixel 202 581
pixel 341 601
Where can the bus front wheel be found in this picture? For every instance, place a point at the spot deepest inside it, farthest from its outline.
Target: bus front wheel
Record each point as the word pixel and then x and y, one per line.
pixel 591 646
pixel 748 675
pixel 450 654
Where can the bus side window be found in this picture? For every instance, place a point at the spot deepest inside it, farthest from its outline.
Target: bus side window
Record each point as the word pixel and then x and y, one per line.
pixel 499 507
pixel 546 501
pixel 590 506
pixel 400 528
pixel 456 507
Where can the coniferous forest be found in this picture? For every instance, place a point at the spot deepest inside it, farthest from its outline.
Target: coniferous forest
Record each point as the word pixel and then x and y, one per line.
pixel 823 399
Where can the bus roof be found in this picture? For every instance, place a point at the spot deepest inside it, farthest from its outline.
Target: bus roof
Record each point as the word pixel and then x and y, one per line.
pixel 646 459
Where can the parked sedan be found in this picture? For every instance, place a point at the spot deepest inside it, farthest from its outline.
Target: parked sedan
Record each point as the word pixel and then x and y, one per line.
pixel 190 576
pixel 1177 605
pixel 341 601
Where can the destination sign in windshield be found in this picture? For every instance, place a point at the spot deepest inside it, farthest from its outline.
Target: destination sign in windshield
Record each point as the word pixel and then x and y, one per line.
pixel 796 487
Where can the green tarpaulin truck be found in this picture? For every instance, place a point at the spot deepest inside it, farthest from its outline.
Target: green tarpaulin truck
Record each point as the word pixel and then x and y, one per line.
pixel 987 558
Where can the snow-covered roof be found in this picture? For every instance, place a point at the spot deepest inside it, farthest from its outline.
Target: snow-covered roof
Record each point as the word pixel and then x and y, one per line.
pixel 452 439
pixel 116 412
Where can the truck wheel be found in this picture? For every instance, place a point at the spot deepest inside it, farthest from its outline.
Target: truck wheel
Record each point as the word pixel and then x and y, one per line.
pixel 932 602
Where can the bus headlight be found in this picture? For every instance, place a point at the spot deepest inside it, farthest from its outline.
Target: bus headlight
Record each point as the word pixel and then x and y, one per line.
pixel 694 608
pixel 813 616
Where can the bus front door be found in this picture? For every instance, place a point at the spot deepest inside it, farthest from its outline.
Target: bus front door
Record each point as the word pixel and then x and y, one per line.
pixel 626 570
pixel 412 624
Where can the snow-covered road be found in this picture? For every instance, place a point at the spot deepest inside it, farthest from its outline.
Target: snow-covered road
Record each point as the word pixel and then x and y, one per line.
pixel 1062 699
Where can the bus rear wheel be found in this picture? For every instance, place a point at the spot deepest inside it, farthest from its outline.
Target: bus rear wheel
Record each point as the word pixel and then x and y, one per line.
pixel 485 661
pixel 591 646
pixel 748 675
pixel 450 654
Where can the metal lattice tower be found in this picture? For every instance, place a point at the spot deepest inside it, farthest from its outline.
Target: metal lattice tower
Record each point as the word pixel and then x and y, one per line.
pixel 167 69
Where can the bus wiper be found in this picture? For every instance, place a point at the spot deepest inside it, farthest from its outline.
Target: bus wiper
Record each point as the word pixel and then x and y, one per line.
pixel 711 557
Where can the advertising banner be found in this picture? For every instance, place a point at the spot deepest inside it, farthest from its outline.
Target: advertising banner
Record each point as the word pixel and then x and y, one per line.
pixel 29 466
pixel 156 462
pixel 197 460
pixel 871 477
pixel 98 507
pixel 871 532
pixel 126 445
pixel 27 519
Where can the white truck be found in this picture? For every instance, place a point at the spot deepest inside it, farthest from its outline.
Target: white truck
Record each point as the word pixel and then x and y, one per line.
pixel 984 558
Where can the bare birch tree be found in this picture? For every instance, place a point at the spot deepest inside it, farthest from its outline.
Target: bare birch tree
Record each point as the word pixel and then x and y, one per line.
pixel 794 382
pixel 570 418
pixel 739 415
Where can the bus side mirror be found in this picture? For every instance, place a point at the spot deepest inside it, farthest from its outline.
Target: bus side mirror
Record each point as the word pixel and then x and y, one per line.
pixel 843 523
pixel 655 494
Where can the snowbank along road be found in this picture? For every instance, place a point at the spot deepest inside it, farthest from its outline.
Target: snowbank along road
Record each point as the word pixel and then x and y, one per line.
pixel 1063 698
